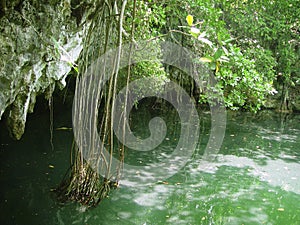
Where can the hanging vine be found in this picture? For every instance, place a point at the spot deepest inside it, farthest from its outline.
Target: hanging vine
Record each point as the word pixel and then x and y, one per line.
pixel 83 183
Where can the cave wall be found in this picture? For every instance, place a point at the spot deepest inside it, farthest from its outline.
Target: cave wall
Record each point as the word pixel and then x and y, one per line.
pixel 40 43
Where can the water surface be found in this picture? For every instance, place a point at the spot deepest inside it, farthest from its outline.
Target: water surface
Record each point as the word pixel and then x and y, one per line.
pixel 254 178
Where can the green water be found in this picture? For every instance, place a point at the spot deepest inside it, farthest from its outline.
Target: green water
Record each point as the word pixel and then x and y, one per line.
pixel 253 180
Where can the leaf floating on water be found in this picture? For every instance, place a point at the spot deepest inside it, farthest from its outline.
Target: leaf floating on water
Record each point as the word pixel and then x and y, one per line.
pixel 162 182
pixel 64 128
pixel 280 209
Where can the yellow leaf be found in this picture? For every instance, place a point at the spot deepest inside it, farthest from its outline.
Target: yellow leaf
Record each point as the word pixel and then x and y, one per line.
pixel 189 20
pixel 204 59
pixel 217 66
pixel 64 128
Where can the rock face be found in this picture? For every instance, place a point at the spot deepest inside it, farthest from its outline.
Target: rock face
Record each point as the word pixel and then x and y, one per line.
pixel 40 43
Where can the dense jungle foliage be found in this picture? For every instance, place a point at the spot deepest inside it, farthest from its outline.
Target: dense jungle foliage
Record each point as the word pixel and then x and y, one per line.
pixel 252 46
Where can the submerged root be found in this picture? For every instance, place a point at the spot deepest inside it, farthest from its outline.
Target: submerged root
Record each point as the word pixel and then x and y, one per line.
pixel 85 186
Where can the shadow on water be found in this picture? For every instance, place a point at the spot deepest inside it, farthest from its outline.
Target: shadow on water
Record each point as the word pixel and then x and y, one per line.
pixel 253 180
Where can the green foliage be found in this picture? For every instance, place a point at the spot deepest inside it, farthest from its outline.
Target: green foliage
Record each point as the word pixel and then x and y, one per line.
pixel 153 70
pixel 252 47
pixel 273 25
pixel 148 21
pixel 244 86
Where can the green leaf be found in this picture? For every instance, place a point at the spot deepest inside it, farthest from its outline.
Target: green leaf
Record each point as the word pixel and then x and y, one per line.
pixel 219 38
pixel 229 40
pixel 189 20
pixel 76 69
pixel 218 54
pixel 212 66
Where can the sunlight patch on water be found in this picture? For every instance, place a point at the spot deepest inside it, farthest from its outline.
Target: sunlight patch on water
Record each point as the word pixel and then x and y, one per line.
pixel 275 172
pixel 278 136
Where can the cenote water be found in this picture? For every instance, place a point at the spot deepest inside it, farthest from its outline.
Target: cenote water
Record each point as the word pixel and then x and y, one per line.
pixel 254 178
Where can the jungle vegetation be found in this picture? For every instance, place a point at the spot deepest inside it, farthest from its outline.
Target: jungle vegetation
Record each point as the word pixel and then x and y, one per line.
pixel 251 47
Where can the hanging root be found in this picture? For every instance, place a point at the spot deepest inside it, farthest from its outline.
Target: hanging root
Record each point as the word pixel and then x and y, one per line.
pixel 83 184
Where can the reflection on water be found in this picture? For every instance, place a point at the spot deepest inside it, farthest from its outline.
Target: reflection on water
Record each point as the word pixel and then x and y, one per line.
pixel 254 179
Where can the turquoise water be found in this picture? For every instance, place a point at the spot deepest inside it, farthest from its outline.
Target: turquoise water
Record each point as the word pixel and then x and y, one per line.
pixel 253 180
